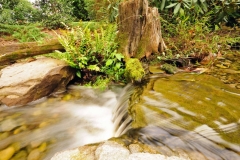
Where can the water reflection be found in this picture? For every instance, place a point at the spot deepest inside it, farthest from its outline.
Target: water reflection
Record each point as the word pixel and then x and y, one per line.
pixel 188 114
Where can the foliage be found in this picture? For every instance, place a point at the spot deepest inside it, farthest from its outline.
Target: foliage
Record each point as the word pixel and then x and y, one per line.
pixel 221 11
pixel 193 39
pixel 78 9
pixel 54 13
pixel 134 70
pixel 94 52
pixel 101 83
pixel 168 68
pixel 102 10
pixel 16 12
pixel 23 33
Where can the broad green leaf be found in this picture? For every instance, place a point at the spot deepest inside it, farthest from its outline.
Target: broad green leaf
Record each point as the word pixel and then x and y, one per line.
pixel 118 65
pixel 119 56
pixel 109 62
pixel 163 5
pixel 181 12
pixel 205 7
pixel 78 73
pixel 172 5
pixel 93 67
pixel 176 9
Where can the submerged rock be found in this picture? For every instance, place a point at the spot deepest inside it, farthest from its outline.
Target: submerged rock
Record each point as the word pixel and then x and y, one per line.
pixel 22 83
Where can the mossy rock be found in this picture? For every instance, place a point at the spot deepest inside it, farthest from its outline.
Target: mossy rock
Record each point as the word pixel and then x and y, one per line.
pixel 168 68
pixel 134 70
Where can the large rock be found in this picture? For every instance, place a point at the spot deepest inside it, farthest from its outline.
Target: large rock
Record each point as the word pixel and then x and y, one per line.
pixel 113 150
pixel 25 82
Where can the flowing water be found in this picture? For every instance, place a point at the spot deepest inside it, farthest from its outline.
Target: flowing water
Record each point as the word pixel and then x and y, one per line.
pixel 59 122
pixel 185 114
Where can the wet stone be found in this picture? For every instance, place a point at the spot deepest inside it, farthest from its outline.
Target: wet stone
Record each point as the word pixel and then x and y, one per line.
pixel 4 135
pixel 8 125
pixel 21 155
pixel 34 155
pixel 238 86
pixel 135 148
pixel 7 153
pixel 43 147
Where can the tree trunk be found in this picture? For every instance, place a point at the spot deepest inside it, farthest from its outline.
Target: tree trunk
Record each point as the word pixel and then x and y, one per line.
pixel 139 29
pixel 10 53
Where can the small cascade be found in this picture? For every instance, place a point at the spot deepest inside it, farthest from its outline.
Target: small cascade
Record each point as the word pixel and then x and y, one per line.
pixel 59 122
pixel 122 120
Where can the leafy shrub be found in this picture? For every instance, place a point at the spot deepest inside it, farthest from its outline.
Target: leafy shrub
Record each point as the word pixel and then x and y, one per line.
pixel 16 12
pixel 220 11
pixel 193 39
pixel 93 52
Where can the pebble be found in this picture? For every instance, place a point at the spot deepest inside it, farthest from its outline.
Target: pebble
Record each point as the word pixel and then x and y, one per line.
pixel 20 129
pixel 43 147
pixel 8 125
pixel 4 135
pixel 34 155
pixel 21 155
pixel 7 153
pixel 238 86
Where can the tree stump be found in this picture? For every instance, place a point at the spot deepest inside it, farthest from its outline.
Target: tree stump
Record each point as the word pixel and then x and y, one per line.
pixel 139 29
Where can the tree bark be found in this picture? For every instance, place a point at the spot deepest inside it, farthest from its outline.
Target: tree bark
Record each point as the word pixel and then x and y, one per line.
pixel 139 29
pixel 11 53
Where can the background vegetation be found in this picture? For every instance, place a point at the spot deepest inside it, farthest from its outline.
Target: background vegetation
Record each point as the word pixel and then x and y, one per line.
pixel 190 28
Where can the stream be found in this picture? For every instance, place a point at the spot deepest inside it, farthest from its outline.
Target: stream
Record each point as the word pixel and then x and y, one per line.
pixel 185 114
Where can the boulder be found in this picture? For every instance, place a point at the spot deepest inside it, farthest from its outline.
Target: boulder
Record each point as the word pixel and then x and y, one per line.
pixel 113 150
pixel 24 82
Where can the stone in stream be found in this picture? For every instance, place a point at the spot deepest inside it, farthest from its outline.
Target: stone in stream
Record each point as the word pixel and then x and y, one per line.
pixel 24 82
pixel 112 150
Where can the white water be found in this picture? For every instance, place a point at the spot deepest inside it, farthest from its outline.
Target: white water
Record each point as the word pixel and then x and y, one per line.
pixel 85 118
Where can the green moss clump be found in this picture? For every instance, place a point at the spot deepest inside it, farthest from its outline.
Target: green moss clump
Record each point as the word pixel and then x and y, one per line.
pixel 168 68
pixel 134 70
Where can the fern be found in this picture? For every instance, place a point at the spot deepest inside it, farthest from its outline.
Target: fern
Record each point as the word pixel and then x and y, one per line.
pixel 93 50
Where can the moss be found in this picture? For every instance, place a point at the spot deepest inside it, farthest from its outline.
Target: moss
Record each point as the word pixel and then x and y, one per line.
pixel 122 40
pixel 134 70
pixel 168 68
pixel 142 46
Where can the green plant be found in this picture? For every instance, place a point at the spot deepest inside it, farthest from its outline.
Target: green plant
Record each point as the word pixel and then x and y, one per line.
pixel 219 10
pixel 23 33
pixel 93 52
pixel 29 34
pixel 16 12
pixel 193 39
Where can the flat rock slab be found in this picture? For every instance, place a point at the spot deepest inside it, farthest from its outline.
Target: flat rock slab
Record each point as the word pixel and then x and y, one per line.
pixel 111 150
pixel 22 83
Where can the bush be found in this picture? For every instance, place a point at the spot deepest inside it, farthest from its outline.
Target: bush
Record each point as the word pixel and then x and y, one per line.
pixel 93 52
pixel 16 12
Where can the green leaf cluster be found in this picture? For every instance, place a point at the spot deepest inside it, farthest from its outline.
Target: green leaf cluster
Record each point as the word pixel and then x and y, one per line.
pixel 220 10
pixel 93 51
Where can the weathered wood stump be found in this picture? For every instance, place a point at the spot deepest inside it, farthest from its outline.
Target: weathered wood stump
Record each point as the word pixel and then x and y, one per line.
pixel 139 29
